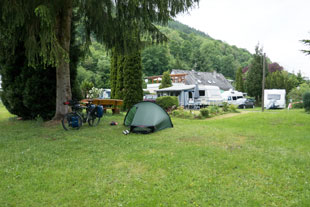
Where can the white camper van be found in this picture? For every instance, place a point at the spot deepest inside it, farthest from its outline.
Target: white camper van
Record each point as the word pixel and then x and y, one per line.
pixel 274 99
pixel 232 96
pixel 209 95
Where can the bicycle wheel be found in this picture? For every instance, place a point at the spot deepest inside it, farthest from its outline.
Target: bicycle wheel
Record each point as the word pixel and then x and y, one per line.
pixel 71 121
pixel 93 120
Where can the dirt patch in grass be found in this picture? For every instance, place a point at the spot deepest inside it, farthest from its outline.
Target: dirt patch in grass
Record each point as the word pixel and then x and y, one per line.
pixel 229 115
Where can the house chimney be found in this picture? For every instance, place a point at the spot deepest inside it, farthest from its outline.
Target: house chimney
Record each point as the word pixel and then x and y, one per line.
pixel 214 74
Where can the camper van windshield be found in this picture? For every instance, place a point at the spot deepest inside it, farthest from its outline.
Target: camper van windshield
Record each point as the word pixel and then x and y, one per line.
pixel 274 96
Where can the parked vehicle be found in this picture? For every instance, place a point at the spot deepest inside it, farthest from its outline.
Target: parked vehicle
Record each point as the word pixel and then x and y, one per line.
pixel 274 99
pixel 232 96
pixel 210 95
pixel 150 97
pixel 246 103
pixel 194 96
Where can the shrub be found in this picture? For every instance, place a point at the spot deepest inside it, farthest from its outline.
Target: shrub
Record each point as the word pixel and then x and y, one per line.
pixel 233 108
pixel 299 105
pixel 167 102
pixel 214 109
pixel 225 107
pixel 204 112
pixel 94 92
pixel 180 113
pixel 306 100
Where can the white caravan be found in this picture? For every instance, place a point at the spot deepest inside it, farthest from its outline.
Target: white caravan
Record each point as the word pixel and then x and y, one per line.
pixel 274 99
pixel 232 96
pixel 209 95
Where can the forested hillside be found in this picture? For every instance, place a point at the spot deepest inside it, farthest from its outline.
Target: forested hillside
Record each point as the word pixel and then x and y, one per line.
pixel 187 48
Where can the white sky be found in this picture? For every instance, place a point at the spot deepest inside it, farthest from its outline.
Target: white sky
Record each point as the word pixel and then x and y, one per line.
pixel 277 25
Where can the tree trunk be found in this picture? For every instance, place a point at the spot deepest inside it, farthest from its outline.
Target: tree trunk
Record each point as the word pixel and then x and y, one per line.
pixel 63 87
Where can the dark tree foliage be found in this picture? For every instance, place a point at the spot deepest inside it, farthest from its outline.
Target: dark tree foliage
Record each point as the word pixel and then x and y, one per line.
pixel 306 101
pixel 273 67
pixel 30 92
pixel 113 73
pixel 254 78
pixel 44 29
pixel 119 90
pixel 132 77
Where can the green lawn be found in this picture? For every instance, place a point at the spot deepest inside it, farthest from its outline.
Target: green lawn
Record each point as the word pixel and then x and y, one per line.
pixel 252 159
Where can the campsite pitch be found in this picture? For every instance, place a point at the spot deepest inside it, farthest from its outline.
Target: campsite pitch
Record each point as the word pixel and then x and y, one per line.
pixel 253 159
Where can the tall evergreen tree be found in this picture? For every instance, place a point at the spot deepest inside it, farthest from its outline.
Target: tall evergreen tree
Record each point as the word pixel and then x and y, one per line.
pixel 239 80
pixel 306 42
pixel 44 27
pixel 132 92
pixel 166 80
pixel 119 89
pixel 254 76
pixel 113 73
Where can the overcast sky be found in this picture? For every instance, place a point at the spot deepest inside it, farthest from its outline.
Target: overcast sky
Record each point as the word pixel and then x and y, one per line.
pixel 277 25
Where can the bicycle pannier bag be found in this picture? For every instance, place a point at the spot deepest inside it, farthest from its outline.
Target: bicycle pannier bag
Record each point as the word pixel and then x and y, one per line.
pixel 74 120
pixel 99 111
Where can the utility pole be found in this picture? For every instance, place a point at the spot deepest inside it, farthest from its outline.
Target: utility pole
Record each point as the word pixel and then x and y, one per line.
pixel 263 82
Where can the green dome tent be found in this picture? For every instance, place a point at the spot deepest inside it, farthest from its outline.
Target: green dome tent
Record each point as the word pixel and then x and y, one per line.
pixel 147 117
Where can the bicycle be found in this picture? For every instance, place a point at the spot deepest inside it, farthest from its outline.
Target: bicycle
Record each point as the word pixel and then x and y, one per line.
pixel 76 118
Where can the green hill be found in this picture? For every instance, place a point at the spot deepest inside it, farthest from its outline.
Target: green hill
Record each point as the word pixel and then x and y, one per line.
pixel 187 49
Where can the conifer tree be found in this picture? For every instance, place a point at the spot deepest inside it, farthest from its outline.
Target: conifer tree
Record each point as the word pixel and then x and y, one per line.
pixel 239 80
pixel 119 89
pixel 133 92
pixel 166 80
pixel 44 28
pixel 113 73
pixel 255 75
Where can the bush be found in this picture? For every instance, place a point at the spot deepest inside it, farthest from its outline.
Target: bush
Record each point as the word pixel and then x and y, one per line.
pixel 181 113
pixel 204 112
pixel 214 109
pixel 233 108
pixel 299 105
pixel 306 100
pixel 167 102
pixel 225 107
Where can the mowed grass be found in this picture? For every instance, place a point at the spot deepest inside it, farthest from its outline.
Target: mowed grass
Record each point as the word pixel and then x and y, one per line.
pixel 252 159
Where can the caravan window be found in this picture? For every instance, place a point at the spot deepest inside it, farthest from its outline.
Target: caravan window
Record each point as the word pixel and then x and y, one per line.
pixel 202 93
pixel 239 97
pixel 234 98
pixel 274 97
pixel 229 98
